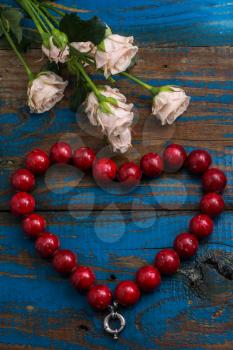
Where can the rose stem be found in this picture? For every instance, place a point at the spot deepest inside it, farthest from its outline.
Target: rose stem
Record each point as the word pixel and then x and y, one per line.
pixel 35 17
pixel 89 81
pixel 36 7
pixel 49 15
pixel 20 57
pixel 153 90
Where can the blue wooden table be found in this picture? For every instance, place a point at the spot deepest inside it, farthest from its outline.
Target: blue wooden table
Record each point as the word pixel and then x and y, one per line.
pixel 183 42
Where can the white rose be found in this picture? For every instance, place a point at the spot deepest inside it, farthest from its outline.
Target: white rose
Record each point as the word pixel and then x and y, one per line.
pixel 45 91
pixel 169 105
pixel 116 124
pixel 84 46
pixel 54 53
pixel 117 55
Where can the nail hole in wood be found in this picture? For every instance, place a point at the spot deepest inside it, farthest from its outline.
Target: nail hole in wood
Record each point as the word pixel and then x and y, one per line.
pixel 83 327
pixel 112 277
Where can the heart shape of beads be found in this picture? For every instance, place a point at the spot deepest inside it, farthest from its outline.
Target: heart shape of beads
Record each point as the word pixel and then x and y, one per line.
pixel 105 171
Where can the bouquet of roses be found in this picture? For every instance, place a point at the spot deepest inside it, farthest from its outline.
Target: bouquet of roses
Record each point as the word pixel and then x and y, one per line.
pixel 86 46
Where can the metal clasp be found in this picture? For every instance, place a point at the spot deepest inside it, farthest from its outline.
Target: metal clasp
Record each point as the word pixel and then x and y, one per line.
pixel 113 315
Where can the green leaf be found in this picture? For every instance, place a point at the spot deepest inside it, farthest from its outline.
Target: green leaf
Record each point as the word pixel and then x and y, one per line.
pixel 79 94
pixel 30 39
pixel 13 18
pixel 80 30
pixel 51 66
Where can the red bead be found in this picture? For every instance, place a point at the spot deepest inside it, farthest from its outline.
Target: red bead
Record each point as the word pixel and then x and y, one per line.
pixel 129 174
pixel 83 278
pixel 186 245
pixel 64 261
pixel 148 278
pixel 201 225
pixel 151 165
pixel 99 297
pixel 84 158
pixel 167 261
pixel 37 161
pixel 22 203
pixel 174 157
pixel 33 225
pixel 47 244
pixel 127 293
pixel 61 153
pixel 212 204
pixel 214 180
pixel 104 170
pixel 23 180
pixel 198 161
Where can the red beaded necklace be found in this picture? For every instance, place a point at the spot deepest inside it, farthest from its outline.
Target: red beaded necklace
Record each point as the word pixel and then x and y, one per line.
pixel 104 170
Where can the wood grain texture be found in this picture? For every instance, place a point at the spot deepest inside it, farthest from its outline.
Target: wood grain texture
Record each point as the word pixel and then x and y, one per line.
pixel 117 233
pixel 164 22
pixel 184 314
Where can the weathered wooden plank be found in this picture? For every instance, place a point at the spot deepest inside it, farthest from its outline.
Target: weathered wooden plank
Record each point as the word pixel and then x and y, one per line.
pixel 187 316
pixel 65 188
pixel 167 22
pixel 193 310
pixel 84 231
pixel 190 327
pixel 205 72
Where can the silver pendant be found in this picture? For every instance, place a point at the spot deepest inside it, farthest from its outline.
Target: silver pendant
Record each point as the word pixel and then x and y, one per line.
pixel 114 315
